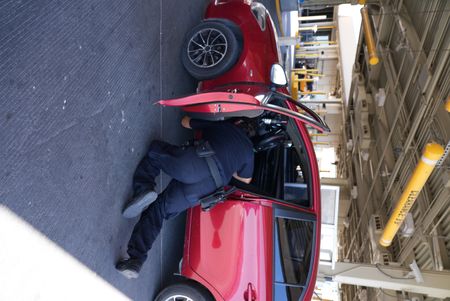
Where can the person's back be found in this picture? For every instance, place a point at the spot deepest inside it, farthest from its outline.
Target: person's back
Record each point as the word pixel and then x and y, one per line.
pixel 232 147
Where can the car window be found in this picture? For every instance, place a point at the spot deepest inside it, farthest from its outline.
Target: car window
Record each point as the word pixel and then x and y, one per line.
pixel 296 168
pixel 293 242
pixel 282 171
pixel 296 172
pixel 287 293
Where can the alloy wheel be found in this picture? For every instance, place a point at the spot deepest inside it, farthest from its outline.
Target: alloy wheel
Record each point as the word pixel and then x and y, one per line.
pixel 178 298
pixel 207 48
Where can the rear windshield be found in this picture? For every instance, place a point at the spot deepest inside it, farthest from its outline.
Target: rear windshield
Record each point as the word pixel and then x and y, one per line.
pixel 294 240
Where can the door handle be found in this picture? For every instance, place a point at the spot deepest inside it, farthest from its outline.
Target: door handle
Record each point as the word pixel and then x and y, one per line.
pixel 250 294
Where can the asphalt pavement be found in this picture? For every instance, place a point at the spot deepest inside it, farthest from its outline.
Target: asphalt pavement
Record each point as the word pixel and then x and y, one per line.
pixel 79 81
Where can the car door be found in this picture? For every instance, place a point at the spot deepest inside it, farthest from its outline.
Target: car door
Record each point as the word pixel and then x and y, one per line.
pixel 228 104
pixel 287 177
pixel 291 188
pixel 230 248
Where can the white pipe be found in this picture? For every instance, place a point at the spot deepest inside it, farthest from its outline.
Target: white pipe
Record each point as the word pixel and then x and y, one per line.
pixel 312 18
pixel 431 283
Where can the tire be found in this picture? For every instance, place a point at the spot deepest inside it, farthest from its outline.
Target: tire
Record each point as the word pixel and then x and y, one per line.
pixel 211 49
pixel 189 291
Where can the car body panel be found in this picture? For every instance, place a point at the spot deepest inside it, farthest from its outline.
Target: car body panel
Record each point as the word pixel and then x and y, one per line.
pixel 230 247
pixel 220 241
pixel 315 208
pixel 222 102
pixel 252 66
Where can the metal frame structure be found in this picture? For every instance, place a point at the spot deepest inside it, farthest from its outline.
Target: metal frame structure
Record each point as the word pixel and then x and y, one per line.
pixel 413 43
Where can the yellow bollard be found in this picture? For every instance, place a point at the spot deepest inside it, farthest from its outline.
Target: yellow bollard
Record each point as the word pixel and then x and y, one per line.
pixel 368 35
pixel 431 155
pixel 280 23
pixel 294 86
pixel 305 72
pixel 447 105
pixel 306 55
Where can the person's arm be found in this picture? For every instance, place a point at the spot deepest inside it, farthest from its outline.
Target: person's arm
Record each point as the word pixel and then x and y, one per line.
pixel 194 124
pixel 186 122
pixel 245 173
pixel 245 180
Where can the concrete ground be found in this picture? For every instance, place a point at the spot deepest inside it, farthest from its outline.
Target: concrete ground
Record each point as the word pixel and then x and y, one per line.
pixel 78 82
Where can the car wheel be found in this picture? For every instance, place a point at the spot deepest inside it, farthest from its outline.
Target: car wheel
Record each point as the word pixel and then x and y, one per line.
pixel 211 49
pixel 184 292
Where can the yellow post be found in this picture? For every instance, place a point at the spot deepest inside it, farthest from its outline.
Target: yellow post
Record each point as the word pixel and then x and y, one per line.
pixel 431 155
pixel 280 23
pixel 315 74
pixel 447 105
pixel 297 46
pixel 306 72
pixel 300 70
pixel 294 86
pixel 368 35
pixel 320 143
pixel 310 55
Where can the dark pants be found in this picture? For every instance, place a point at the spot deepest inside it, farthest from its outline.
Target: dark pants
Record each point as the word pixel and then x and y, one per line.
pixel 191 181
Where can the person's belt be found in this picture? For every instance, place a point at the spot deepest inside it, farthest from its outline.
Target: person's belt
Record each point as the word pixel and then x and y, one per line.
pixel 211 200
pixel 204 150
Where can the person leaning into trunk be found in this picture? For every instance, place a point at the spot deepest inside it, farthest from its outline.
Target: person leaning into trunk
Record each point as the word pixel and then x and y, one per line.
pixel 225 151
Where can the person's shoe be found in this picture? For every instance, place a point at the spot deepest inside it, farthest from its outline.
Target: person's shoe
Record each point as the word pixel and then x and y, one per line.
pixel 129 267
pixel 139 203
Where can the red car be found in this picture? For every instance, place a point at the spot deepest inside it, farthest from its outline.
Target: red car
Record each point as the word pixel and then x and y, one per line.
pixel 263 242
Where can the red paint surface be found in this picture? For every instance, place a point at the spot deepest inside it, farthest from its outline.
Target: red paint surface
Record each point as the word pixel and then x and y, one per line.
pixel 209 97
pixel 222 102
pixel 259 51
pixel 230 247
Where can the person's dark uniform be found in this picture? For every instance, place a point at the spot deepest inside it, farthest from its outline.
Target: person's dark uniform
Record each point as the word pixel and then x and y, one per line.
pixel 192 180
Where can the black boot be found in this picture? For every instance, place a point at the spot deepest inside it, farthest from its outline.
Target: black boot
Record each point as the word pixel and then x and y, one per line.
pixel 129 268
